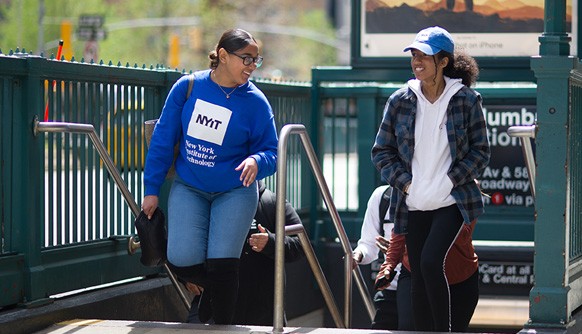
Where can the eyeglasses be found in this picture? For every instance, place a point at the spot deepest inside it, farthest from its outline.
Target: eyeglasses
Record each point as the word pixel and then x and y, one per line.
pixel 247 60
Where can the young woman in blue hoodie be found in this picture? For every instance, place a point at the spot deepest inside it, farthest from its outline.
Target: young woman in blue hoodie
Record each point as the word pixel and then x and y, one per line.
pixel 431 146
pixel 226 134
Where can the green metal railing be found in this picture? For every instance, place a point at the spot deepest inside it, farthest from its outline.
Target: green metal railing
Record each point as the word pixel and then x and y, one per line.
pixel 62 217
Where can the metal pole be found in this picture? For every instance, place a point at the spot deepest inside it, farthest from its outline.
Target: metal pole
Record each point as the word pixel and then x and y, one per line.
pixel 278 316
pixel 348 289
pixel 317 272
pixel 364 292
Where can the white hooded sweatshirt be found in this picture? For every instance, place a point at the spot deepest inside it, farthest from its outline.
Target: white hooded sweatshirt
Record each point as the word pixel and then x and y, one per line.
pixel 431 187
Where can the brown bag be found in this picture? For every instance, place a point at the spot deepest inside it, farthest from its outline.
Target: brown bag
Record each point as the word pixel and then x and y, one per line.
pixel 151 124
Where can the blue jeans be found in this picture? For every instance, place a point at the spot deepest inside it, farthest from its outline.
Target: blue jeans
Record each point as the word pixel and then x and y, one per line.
pixel 204 225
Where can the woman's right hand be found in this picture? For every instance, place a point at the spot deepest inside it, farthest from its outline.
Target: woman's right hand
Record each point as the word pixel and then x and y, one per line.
pixel 149 205
pixel 356 259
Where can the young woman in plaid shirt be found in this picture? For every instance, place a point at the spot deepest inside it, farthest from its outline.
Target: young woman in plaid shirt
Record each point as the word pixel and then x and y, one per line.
pixel 431 146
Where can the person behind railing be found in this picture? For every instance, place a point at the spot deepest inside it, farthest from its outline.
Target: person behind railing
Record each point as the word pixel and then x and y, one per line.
pixel 255 300
pixel 375 228
pixel 431 145
pixel 227 139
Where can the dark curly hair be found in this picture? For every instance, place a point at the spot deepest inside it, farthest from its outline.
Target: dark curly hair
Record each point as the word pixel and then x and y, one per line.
pixel 231 40
pixel 461 66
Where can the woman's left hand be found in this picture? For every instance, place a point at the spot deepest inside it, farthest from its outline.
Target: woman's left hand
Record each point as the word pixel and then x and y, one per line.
pixel 258 241
pixel 249 169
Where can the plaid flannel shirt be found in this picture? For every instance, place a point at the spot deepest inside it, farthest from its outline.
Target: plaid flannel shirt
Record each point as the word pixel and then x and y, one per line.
pixel 469 146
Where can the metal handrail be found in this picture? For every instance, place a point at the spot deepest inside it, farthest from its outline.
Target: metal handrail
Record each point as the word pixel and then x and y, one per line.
pixel 89 130
pixel 278 317
pixel 299 230
pixel 525 133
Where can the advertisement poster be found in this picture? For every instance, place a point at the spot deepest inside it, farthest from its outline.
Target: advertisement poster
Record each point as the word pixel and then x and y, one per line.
pixel 482 27
pixel 506 179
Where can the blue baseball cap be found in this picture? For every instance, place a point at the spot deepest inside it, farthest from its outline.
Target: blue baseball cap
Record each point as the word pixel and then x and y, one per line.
pixel 432 40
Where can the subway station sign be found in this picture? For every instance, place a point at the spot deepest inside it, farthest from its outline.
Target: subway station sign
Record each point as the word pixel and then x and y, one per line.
pixel 505 179
pixel 505 278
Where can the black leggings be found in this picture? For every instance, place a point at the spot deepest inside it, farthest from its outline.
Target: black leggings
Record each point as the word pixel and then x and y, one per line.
pixel 430 236
pixel 464 298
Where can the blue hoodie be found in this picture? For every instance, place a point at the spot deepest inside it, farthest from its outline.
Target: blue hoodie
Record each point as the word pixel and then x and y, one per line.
pixel 215 134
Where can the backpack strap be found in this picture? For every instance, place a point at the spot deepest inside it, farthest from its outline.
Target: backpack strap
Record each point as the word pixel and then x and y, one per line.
pixel 190 85
pixel 384 206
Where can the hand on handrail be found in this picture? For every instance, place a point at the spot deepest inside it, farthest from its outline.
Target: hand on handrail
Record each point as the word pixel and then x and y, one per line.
pixel 356 259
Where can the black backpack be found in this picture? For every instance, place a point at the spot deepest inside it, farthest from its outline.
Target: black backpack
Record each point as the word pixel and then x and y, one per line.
pixel 383 208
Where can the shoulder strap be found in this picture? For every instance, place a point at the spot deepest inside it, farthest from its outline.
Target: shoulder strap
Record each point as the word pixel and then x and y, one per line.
pixel 384 205
pixel 190 85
